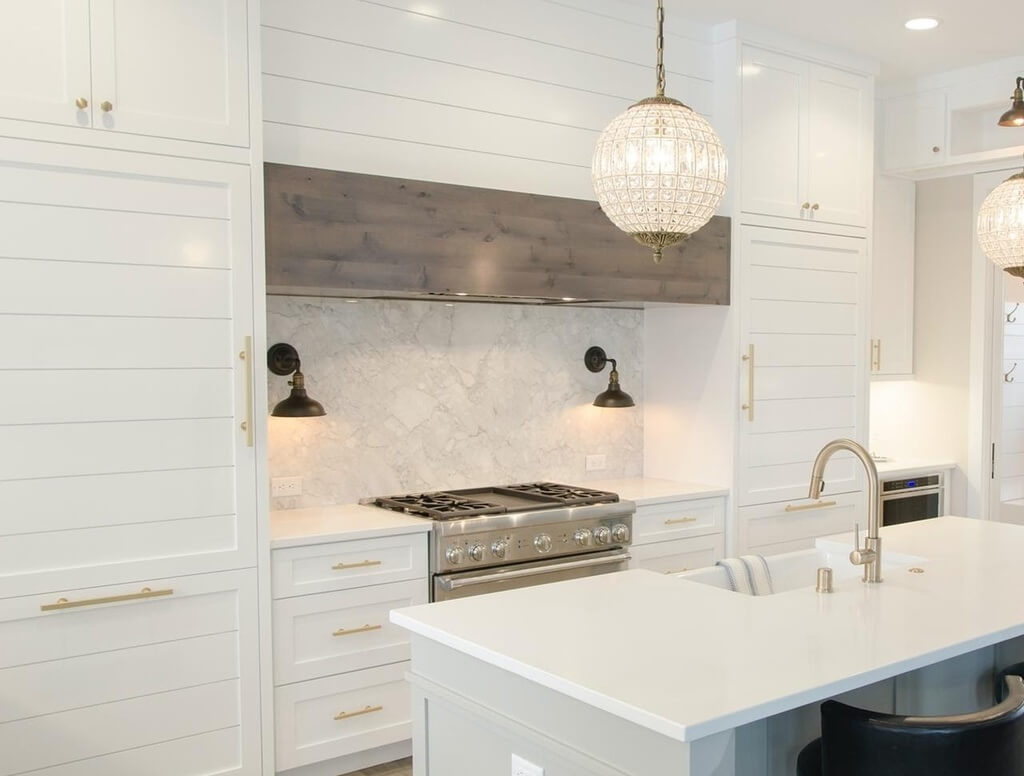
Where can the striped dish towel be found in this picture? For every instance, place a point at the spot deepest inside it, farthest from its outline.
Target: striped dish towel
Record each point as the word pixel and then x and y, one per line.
pixel 748 574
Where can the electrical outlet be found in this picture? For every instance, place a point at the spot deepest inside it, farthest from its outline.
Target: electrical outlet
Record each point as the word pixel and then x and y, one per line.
pixel 285 486
pixel 597 463
pixel 521 767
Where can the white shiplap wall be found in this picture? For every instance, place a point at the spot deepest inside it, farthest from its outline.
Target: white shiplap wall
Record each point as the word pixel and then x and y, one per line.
pixel 504 94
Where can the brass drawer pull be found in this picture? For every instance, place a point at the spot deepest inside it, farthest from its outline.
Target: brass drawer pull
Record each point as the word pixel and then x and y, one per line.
pixel 812 505
pixel 675 520
pixel 247 425
pixel 359 565
pixel 676 571
pixel 361 712
pixel 63 603
pixel 749 406
pixel 350 631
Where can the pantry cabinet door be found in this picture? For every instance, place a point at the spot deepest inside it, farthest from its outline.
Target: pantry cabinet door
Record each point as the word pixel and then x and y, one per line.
pixel 773 135
pixel 171 68
pixel 44 61
pixel 803 369
pixel 839 147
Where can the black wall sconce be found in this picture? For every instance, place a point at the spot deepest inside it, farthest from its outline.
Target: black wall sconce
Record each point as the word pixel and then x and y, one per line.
pixel 596 360
pixel 283 359
pixel 1014 117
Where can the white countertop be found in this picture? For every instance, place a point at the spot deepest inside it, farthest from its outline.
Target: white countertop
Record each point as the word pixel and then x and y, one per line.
pixel 649 490
pixel 689 660
pixel 896 468
pixel 319 525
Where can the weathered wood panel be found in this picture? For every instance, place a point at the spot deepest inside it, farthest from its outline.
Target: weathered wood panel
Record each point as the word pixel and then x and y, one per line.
pixel 332 233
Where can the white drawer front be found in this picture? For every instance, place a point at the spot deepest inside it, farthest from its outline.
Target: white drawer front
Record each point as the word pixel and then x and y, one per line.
pixel 333 717
pixel 346 630
pixel 775 528
pixel 342 565
pixel 170 679
pixel 679 555
pixel 677 520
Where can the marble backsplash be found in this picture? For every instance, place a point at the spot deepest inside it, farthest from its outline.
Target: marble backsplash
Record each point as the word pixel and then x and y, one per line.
pixel 423 395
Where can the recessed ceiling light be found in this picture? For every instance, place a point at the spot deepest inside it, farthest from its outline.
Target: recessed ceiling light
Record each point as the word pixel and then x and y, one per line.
pixel 921 24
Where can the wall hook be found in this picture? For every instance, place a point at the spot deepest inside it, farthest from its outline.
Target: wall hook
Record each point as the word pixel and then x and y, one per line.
pixel 1010 318
pixel 1006 377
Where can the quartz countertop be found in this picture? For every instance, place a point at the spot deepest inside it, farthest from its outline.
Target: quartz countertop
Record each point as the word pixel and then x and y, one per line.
pixel 341 522
pixel 689 660
pixel 905 467
pixel 649 490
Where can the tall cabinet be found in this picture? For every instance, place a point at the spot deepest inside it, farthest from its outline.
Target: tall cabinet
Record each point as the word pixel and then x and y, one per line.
pixel 131 303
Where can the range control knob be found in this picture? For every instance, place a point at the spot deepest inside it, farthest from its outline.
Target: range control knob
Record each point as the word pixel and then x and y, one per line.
pixel 602 535
pixel 499 548
pixel 620 533
pixel 584 537
pixel 476 552
pixel 542 543
pixel 455 555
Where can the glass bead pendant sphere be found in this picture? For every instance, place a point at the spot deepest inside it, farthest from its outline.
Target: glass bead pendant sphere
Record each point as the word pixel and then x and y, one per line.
pixel 1001 225
pixel 659 171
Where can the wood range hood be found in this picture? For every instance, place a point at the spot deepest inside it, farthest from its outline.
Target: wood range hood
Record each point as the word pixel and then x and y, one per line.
pixel 345 234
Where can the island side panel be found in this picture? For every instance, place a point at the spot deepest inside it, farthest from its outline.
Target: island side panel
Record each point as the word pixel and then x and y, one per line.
pixel 471 717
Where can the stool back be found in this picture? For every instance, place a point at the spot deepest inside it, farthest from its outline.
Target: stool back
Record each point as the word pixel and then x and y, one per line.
pixel 855 742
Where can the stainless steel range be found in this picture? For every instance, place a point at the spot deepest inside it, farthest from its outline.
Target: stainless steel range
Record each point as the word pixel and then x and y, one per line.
pixel 488 539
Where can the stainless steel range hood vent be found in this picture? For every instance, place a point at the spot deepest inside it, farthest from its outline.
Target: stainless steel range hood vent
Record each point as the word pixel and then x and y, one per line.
pixel 341 234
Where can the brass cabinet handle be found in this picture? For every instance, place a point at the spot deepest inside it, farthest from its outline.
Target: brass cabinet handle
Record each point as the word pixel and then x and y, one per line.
pixel 106 106
pixel 815 206
pixel 805 206
pixel 359 713
pixel 676 571
pixel 749 406
pixel 813 505
pixel 674 520
pixel 876 355
pixel 246 424
pixel 935 149
pixel 350 631
pixel 81 103
pixel 359 565
pixel 63 603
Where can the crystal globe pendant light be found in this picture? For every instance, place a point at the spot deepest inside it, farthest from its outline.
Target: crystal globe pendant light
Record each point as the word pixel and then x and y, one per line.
pixel 1001 225
pixel 659 169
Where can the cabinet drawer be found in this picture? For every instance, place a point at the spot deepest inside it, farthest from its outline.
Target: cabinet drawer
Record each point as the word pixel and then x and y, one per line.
pixel 679 555
pixel 171 678
pixel 333 717
pixel 677 520
pixel 343 565
pixel 795 525
pixel 330 633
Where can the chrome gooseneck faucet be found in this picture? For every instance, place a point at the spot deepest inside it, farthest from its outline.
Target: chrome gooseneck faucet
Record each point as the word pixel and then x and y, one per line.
pixel 870 555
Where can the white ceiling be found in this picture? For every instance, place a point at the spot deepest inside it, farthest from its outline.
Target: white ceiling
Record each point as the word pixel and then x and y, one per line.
pixel 972 31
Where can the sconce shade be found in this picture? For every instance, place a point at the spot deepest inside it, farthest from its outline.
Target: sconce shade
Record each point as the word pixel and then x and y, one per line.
pixel 283 359
pixel 1014 117
pixel 614 397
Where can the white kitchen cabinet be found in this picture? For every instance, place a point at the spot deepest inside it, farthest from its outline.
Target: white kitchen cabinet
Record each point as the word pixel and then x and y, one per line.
pixel 892 277
pixel 914 131
pixel 124 433
pixel 770 529
pixel 162 68
pixel 803 371
pixel 44 61
pixel 673 536
pixel 672 557
pixel 806 137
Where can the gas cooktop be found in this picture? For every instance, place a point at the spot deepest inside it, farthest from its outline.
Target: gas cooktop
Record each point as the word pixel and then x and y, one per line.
pixel 475 502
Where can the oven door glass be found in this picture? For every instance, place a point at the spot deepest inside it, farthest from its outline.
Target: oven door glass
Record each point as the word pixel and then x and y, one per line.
pixel 913 506
pixel 467 583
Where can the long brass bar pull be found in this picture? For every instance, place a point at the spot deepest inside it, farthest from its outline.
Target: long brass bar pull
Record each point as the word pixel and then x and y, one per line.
pixel 749 406
pixel 676 520
pixel 350 631
pixel 63 603
pixel 813 505
pixel 246 356
pixel 359 713
pixel 878 356
pixel 359 565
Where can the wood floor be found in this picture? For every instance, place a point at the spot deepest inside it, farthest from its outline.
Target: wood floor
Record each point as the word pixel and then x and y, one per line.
pixel 398 768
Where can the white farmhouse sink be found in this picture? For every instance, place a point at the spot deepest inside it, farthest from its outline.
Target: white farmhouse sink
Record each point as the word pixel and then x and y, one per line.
pixel 796 570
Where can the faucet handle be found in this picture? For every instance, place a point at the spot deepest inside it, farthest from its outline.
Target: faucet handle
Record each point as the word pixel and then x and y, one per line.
pixel 856 536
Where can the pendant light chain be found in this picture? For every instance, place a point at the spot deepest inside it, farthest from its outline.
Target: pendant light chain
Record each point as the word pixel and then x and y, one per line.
pixel 660 73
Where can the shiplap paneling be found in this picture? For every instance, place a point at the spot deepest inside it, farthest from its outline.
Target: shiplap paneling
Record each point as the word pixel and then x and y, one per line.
pixel 503 95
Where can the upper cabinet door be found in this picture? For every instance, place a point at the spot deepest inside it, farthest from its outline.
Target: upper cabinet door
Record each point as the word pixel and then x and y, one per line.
pixel 171 68
pixel 914 131
pixel 839 147
pixel 44 60
pixel 774 128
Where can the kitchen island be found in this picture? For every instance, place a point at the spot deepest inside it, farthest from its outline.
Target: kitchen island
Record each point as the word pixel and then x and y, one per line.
pixel 653 675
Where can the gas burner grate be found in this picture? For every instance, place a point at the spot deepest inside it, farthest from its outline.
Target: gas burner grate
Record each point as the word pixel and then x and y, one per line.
pixel 438 506
pixel 568 495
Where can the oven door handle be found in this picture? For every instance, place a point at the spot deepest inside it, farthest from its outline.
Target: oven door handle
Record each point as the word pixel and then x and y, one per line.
pixel 894 495
pixel 453 582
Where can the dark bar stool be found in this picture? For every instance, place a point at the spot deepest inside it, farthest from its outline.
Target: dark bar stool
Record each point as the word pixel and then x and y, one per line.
pixel 855 742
